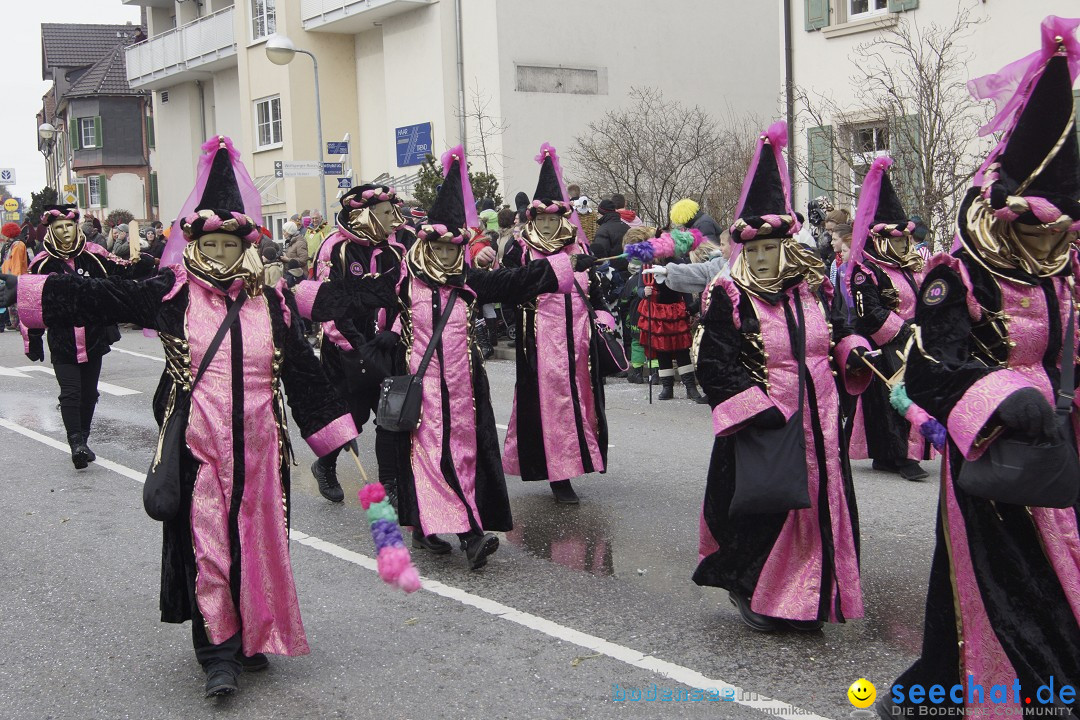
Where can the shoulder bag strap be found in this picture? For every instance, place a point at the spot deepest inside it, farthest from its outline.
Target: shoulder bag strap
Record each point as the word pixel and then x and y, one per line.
pixel 212 348
pixel 588 305
pixel 1067 386
pixel 436 335
pixel 800 351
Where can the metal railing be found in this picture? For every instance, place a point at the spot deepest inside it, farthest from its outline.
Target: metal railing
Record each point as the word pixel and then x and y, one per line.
pixel 330 10
pixel 198 42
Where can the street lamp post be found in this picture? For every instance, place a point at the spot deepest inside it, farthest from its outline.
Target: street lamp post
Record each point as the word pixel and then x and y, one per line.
pixel 280 50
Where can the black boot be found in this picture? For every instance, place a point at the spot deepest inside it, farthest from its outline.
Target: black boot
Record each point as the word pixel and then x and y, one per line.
pixel 477 547
pixel 655 376
pixel 432 543
pixel 689 381
pixel 635 376
pixel 326 476
pixel 80 454
pixel 482 341
pixel 668 391
pixel 493 331
pixel 252 663
pixel 221 679
pixel 753 620
pixel 564 492
pixel 90 453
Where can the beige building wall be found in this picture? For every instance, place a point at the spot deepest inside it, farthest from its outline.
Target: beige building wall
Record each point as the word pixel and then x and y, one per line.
pixel 824 59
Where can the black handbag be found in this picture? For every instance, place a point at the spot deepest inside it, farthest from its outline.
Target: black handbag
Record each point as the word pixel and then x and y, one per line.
pixel 1039 472
pixel 161 493
pixel 402 396
pixel 770 465
pixel 609 349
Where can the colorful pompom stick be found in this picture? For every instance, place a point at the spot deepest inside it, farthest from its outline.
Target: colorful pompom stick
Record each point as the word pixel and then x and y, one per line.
pixel 929 428
pixel 395 564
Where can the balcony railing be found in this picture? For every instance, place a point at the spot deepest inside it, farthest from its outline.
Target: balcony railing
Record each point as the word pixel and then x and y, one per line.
pixel 202 45
pixel 352 16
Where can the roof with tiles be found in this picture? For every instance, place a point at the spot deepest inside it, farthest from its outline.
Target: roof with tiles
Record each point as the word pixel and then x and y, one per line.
pixel 71 45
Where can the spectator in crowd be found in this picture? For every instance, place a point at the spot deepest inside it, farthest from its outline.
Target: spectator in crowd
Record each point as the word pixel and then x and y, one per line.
pixel 15 262
pixel 156 241
pixel 273 269
pixel 314 233
pixel 295 258
pixel 121 242
pixel 627 215
pixel 521 202
pixel 91 228
pixel 688 214
pixel 488 216
pixel 610 230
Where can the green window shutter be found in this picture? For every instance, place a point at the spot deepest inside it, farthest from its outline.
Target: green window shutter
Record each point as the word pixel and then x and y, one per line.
pixel 153 190
pixel 819 144
pixel 905 145
pixel 97 132
pixel 73 133
pixel 80 189
pixel 150 131
pixel 103 191
pixel 902 5
pixel 817 14
pixel 1076 120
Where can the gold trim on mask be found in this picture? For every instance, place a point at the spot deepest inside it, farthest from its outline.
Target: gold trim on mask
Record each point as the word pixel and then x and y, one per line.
pixel 423 261
pixel 75 246
pixel 564 235
pixel 248 267
pixel 911 260
pixel 999 247
pixel 364 224
pixel 795 261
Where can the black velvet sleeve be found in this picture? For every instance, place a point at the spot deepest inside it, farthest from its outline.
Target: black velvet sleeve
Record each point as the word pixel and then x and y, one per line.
pixel 870 310
pixel 76 300
pixel 836 311
pixel 941 371
pixel 313 400
pixel 719 368
pixel 514 255
pixel 514 285
pixel 351 296
pixel 142 268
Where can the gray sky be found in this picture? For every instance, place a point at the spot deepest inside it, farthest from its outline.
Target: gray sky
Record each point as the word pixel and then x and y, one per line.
pixel 22 84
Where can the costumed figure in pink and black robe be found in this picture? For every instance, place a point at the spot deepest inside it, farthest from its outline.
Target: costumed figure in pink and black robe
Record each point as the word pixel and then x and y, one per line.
pixel 1003 605
pixel 795 568
pixel 884 275
pixel 558 427
pixel 76 352
pixel 225 558
pixel 354 356
pixel 450 478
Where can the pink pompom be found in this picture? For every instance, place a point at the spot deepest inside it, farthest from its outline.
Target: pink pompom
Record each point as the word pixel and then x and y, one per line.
pixel 698 238
pixel 393 562
pixel 370 494
pixel 409 580
pixel 916 415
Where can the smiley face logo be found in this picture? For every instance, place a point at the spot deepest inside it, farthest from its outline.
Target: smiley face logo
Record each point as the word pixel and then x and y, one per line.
pixel 862 693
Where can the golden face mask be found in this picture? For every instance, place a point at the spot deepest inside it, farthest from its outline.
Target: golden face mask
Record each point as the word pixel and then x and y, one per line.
pixel 377 222
pixel 64 239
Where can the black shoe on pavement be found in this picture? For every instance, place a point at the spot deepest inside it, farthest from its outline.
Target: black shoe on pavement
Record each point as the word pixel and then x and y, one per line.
pixel 912 470
pixel 885 466
pixel 90 453
pixel 691 389
pixel 805 625
pixel 252 663
pixel 668 391
pixel 80 454
pixel 432 543
pixel 326 477
pixel 564 492
pixel 478 547
pixel 753 620
pixel 220 681
pixel 635 377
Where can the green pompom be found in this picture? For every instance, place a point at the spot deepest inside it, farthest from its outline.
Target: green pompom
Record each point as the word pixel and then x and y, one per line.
pixel 381 510
pixel 899 399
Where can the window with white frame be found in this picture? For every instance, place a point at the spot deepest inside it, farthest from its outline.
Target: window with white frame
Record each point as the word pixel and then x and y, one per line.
pixel 93 187
pixel 268 122
pixel 868 142
pixel 87 132
pixel 263 19
pixel 865 8
pixel 273 223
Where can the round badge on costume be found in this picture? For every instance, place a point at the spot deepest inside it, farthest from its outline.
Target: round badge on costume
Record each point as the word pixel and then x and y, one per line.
pixel 859 278
pixel 356 269
pixel 935 293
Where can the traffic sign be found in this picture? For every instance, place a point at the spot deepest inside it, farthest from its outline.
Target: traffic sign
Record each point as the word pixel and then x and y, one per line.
pixel 11 205
pixel 336 147
pixel 297 168
pixel 344 183
pixel 7 176
pixel 413 144
pixel 333 168
pixel 70 198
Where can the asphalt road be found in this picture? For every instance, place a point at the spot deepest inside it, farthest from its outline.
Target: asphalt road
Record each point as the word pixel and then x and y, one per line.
pixel 579 606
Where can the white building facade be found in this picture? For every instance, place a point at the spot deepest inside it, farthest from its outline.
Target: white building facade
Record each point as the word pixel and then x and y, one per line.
pixel 395 74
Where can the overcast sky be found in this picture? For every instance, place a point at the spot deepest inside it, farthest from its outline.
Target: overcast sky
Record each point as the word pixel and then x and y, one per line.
pixel 22 83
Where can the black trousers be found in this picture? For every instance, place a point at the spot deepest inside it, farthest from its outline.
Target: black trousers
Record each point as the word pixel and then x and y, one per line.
pixel 209 654
pixel 78 394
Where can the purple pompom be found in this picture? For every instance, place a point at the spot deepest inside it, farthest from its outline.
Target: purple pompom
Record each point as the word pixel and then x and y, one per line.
pixel 643 251
pixel 386 533
pixel 935 432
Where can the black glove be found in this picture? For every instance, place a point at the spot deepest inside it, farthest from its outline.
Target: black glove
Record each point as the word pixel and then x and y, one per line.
pixel 36 353
pixel 771 419
pixel 858 359
pixel 8 294
pixel 385 341
pixel 1027 412
pixel 582 262
pixel 351 445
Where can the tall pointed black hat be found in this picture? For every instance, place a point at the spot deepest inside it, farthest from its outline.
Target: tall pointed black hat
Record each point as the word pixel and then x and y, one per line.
pixel 765 207
pixel 448 208
pixel 548 191
pixel 222 192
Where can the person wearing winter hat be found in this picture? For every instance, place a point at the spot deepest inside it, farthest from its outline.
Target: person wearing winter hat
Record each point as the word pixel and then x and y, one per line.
pixel 688 214
pixel 225 554
pixel 356 349
pixel 15 260
pixel 554 347
pixel 789 560
pixel 294 255
pixel 610 230
pixel 995 341
pixel 883 276
pixel 76 352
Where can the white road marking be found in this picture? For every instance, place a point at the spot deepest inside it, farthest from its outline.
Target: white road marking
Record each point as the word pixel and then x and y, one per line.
pixel 102 386
pixel 138 354
pixel 629 656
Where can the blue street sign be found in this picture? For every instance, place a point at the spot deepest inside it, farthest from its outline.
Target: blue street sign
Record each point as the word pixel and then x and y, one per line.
pixel 332 168
pixel 413 144
pixel 334 147
pixel 344 183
